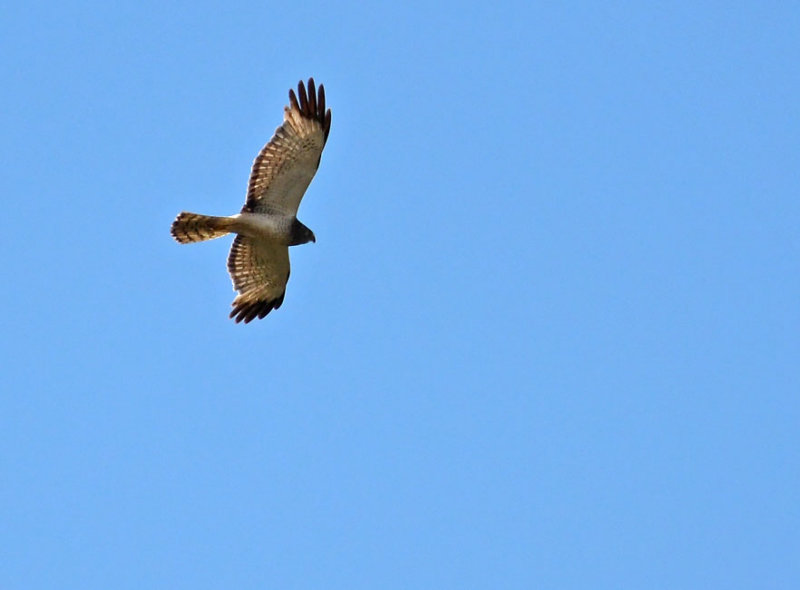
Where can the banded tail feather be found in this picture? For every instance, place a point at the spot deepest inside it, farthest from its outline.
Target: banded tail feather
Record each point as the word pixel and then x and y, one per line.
pixel 193 227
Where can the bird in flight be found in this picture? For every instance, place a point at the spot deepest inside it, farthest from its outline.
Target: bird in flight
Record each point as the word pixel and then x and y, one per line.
pixel 267 225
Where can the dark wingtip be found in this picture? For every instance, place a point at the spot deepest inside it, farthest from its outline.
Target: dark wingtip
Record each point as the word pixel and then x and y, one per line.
pixel 312 97
pixel 311 103
pixel 301 94
pixel 293 100
pixel 321 99
pixel 326 125
pixel 247 312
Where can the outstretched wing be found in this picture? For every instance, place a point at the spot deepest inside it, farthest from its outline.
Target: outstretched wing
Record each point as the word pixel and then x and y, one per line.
pixel 285 166
pixel 259 270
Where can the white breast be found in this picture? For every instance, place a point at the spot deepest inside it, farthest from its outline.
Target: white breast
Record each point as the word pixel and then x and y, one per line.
pixel 264 225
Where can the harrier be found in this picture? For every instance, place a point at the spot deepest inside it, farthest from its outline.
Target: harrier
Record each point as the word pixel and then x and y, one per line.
pixel 267 225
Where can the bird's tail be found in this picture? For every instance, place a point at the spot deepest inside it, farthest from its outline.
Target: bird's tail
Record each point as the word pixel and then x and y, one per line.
pixel 193 227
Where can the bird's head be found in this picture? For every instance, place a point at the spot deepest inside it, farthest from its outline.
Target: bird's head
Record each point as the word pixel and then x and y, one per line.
pixel 301 234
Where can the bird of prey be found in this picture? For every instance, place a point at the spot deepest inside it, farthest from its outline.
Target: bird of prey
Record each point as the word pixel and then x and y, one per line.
pixel 267 225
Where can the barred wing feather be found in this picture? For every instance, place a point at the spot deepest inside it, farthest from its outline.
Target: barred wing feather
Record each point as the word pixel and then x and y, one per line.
pixel 259 270
pixel 285 166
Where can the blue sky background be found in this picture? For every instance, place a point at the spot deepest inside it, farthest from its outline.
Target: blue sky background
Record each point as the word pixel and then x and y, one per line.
pixel 548 336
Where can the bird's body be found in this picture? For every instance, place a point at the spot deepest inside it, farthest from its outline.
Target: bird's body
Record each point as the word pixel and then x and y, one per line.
pixel 275 226
pixel 267 225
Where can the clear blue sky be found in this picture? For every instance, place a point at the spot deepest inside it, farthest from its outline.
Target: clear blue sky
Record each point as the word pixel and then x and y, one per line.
pixel 548 337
